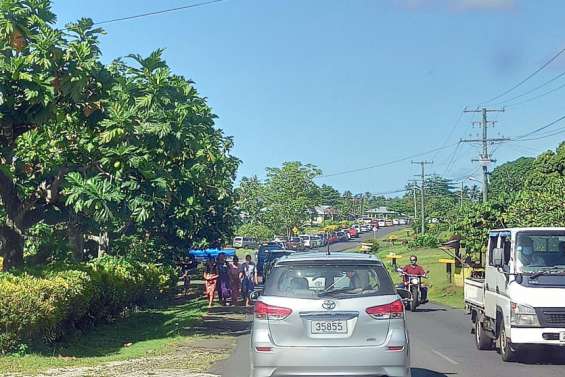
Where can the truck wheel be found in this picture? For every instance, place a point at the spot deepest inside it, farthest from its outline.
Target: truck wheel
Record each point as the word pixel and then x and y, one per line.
pixel 482 340
pixel 507 353
pixel 415 299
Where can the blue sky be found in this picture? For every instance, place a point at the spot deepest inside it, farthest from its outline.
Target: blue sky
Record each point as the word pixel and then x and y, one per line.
pixel 345 84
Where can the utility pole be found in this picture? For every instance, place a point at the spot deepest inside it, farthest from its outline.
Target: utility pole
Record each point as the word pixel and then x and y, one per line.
pixel 485 158
pixel 414 187
pixel 422 186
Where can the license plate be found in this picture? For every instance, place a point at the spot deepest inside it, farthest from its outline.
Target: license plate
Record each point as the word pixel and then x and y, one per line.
pixel 328 327
pixel 562 336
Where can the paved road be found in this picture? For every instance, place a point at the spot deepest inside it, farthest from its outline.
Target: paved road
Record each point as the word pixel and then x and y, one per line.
pixel 353 243
pixel 442 346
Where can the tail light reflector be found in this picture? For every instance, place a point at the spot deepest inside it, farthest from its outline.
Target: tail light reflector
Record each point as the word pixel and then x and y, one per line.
pixel 265 311
pixel 388 311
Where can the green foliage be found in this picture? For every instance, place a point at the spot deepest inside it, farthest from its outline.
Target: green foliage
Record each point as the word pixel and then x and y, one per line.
pixel 43 306
pixel 329 196
pixel 424 240
pixel 257 231
pixel 509 178
pixel 375 246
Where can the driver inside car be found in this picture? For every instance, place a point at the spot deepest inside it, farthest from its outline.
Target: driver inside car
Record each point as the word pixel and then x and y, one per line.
pixel 414 269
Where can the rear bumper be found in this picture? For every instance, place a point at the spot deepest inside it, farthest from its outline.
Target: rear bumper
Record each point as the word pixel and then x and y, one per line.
pixel 331 361
pixel 541 336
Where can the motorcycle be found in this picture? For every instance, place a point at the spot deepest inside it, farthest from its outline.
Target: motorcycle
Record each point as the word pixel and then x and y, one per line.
pixel 413 284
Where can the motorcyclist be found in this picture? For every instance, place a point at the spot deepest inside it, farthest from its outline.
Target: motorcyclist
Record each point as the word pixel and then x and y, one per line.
pixel 414 269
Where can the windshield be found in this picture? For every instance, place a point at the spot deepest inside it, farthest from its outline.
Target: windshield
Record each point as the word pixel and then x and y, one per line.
pixel 323 280
pixel 541 250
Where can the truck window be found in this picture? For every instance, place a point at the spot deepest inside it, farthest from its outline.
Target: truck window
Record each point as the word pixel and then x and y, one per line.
pixel 492 244
pixel 506 246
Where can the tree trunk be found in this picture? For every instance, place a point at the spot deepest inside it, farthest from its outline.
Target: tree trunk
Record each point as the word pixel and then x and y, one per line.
pixel 12 248
pixel 76 240
pixel 103 244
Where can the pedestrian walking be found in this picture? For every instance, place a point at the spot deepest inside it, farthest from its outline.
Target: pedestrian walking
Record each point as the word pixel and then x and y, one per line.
pixel 249 276
pixel 211 279
pixel 223 286
pixel 235 269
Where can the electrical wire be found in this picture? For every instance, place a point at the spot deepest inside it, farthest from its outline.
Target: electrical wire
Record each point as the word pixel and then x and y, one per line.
pixel 553 58
pixel 451 131
pixel 536 97
pixel 385 163
pixel 540 128
pixel 532 90
pixel 154 13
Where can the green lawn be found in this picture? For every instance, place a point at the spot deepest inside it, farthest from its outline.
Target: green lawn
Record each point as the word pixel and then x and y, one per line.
pixel 143 334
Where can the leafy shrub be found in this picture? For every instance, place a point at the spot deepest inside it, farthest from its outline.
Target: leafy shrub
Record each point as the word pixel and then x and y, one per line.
pixel 424 240
pixel 47 305
pixel 375 246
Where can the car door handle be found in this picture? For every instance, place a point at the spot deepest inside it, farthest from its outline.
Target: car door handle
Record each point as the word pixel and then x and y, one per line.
pixel 497 291
pixel 486 286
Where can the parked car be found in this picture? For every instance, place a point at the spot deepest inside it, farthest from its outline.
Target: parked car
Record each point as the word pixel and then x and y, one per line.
pixel 366 228
pixel 357 228
pixel 389 223
pixel 332 238
pixel 395 222
pixel 244 242
pixel 276 244
pixel 323 239
pixel 265 257
pixel 310 242
pixel 295 243
pixel 316 241
pixel 381 224
pixel 341 236
pixel 353 232
pixel 315 313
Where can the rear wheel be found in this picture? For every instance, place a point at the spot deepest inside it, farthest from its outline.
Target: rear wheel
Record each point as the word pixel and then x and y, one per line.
pixel 415 298
pixel 482 340
pixel 507 353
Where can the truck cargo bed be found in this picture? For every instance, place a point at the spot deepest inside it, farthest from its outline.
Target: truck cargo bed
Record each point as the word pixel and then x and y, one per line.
pixel 475 292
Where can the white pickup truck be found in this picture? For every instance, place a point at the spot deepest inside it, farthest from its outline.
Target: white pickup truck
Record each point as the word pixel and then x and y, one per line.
pixel 520 302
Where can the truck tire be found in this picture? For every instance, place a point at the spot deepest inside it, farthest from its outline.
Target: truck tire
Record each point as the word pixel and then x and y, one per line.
pixel 415 299
pixel 507 353
pixel 482 340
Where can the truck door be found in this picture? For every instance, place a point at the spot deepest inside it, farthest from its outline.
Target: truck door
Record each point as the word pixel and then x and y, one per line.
pixel 495 280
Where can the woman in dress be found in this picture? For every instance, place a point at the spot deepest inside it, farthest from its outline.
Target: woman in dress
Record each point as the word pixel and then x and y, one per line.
pixel 211 278
pixel 235 280
pixel 249 276
pixel 223 279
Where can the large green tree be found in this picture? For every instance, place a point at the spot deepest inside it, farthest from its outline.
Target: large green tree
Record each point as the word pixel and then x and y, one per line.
pixel 510 177
pixel 127 151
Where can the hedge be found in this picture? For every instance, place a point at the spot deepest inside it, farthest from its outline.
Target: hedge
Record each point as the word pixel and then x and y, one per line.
pixel 43 307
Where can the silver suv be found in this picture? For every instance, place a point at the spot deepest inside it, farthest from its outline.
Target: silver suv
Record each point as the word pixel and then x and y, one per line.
pixel 329 315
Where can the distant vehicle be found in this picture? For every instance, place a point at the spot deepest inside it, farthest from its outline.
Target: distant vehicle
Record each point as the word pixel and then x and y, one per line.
pixel 366 228
pixel 323 239
pixel 332 238
pixel 381 224
pixel 353 232
pixel 265 257
pixel 310 242
pixel 244 242
pixel 295 243
pixel 357 228
pixel 341 236
pixel 402 222
pixel 281 239
pixel 202 255
pixel 315 314
pixel 395 222
pixel 388 223
pixel 316 241
pixel 276 244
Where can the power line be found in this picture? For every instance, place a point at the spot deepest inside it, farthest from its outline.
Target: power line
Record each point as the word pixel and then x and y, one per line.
pixel 527 78
pixel 536 97
pixel 451 131
pixel 387 163
pixel 533 89
pixel 540 128
pixel 154 13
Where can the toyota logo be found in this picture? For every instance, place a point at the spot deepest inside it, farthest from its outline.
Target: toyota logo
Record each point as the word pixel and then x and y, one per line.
pixel 328 305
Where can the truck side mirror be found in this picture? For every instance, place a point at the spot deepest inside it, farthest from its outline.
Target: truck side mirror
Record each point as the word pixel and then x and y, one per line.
pixel 498 257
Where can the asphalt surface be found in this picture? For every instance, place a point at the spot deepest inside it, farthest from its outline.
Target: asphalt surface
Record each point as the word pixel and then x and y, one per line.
pixel 442 345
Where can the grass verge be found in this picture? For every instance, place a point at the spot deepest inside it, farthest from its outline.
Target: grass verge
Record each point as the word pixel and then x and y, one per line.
pixel 150 335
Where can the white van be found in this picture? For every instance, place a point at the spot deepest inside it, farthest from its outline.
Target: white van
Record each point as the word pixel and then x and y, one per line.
pixel 310 242
pixel 244 242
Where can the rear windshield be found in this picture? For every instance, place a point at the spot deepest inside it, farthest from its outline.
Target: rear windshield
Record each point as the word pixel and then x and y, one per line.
pixel 325 280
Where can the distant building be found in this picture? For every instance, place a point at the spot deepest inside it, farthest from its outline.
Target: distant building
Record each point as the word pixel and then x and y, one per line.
pixel 323 213
pixel 381 213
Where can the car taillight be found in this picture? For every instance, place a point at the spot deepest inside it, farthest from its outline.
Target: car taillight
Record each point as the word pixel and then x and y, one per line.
pixel 265 311
pixel 388 311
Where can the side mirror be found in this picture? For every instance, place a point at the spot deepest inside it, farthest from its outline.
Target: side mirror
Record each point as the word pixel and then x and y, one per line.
pixel 254 295
pixel 498 257
pixel 404 293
